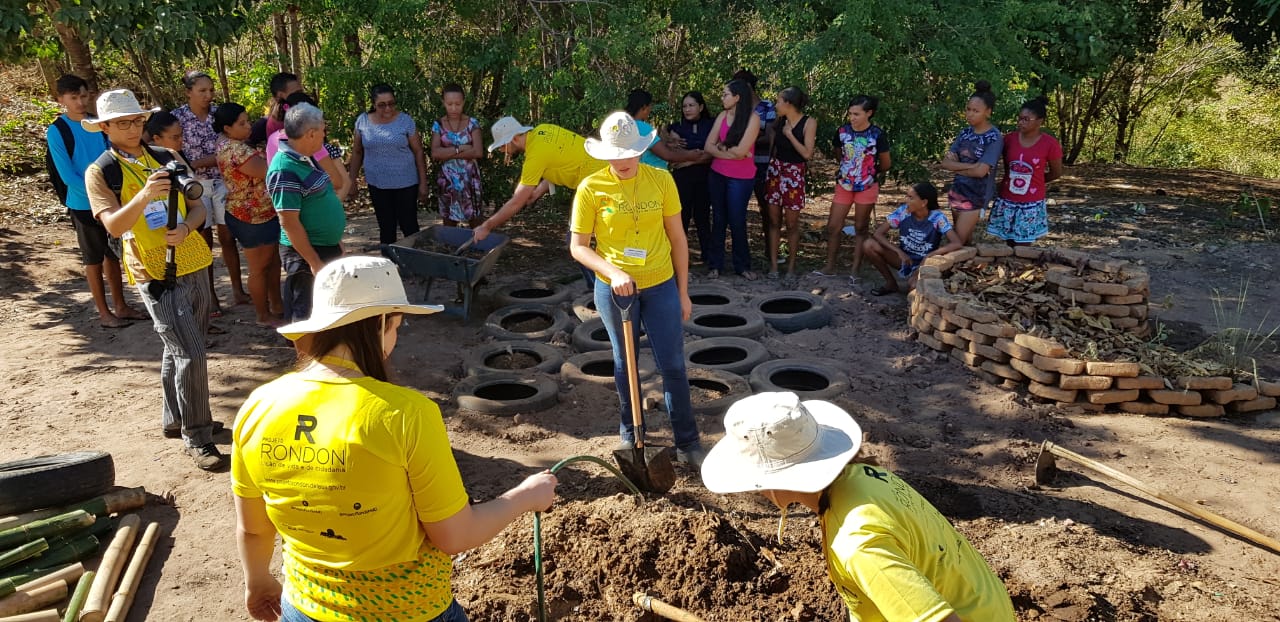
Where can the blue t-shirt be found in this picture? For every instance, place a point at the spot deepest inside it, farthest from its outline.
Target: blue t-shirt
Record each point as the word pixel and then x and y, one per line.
pixel 971 147
pixel 918 238
pixel 860 156
pixel 88 146
pixel 389 164
pixel 649 157
pixel 768 113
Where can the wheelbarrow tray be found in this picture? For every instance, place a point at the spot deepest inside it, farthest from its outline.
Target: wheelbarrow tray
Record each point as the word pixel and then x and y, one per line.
pixel 466 269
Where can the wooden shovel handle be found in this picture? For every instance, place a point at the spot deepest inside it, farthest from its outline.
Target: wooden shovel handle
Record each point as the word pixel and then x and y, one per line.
pixel 1178 502
pixel 670 612
pixel 633 377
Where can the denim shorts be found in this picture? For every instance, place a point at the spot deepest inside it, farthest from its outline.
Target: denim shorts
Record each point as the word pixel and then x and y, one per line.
pixel 253 236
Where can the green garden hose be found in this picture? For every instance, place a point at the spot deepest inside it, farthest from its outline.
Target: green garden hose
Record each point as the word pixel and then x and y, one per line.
pixel 537 523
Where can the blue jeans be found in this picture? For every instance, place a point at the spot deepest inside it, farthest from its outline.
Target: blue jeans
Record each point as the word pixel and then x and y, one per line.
pixel 658 309
pixel 289 613
pixel 729 199
pixel 296 287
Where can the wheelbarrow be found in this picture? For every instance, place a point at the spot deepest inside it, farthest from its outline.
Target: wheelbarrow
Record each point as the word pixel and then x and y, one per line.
pixel 431 254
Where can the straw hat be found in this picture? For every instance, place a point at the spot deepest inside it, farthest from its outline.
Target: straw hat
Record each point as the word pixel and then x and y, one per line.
pixel 114 104
pixel 504 130
pixel 351 289
pixel 620 138
pixel 773 441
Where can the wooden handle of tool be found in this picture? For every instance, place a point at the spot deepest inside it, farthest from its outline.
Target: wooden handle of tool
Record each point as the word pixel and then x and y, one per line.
pixel 48 615
pixel 25 601
pixel 95 606
pixel 123 598
pixel 1178 502
pixel 67 574
pixel 633 378
pixel 670 612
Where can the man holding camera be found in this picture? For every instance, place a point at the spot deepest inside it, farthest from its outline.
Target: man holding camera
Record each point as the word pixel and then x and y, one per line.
pixel 128 188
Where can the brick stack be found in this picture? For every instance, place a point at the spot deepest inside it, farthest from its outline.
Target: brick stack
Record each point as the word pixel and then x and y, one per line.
pixel 1002 354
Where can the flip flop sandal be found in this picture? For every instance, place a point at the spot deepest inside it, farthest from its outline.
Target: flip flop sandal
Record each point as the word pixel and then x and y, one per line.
pixel 822 274
pixel 217 313
pixel 883 291
pixel 217 330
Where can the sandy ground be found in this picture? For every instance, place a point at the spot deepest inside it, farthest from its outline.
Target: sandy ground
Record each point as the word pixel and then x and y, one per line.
pixel 1088 549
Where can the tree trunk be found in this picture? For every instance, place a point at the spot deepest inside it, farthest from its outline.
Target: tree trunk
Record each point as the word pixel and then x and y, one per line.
pixel 77 50
pixel 280 33
pixel 295 35
pixel 353 47
pixel 143 66
pixel 221 62
pixel 494 105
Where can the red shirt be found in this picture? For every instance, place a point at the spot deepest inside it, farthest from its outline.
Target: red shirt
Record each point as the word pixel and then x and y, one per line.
pixel 1025 167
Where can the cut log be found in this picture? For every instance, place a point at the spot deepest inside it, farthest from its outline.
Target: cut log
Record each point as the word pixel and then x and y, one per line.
pixel 113 560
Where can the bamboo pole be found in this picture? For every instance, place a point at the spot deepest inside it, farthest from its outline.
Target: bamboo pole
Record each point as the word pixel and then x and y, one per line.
pixel 95 606
pixel 56 557
pixel 77 598
pixel 30 600
pixel 52 526
pixel 123 598
pixel 114 502
pixel 24 552
pixel 67 573
pixel 48 615
pixel 670 612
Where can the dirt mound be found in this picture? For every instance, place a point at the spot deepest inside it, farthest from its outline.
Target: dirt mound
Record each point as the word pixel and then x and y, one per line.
pixel 598 553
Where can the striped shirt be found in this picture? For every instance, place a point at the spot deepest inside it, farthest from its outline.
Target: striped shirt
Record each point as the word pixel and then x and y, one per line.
pixel 297 184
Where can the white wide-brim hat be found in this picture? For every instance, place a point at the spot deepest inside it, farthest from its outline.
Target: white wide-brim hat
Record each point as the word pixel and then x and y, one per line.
pixel 504 130
pixel 114 104
pixel 773 441
pixel 351 289
pixel 620 138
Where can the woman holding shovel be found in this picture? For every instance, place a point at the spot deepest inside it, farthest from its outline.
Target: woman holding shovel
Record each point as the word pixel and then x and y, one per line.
pixel 641 263
pixel 354 473
pixel 891 555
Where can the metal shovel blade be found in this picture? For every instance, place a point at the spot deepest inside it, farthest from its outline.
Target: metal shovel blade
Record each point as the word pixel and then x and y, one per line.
pixel 1046 466
pixel 649 468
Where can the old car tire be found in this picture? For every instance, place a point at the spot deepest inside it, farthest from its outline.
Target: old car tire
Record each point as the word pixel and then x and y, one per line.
pixel 736 355
pixel 535 292
pixel 51 481
pixel 585 367
pixel 790 312
pixel 591 335
pixel 810 378
pixel 506 394
pixel 709 295
pixel 725 322
pixel 733 386
pixel 584 307
pixel 496 325
pixel 479 359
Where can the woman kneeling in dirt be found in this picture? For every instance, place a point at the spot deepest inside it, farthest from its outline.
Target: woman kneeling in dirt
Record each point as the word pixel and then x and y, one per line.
pixel 354 472
pixel 891 555
pixel 921 228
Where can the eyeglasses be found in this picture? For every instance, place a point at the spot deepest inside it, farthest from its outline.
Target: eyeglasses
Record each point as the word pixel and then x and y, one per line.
pixel 126 124
pixel 385 105
pixel 1027 119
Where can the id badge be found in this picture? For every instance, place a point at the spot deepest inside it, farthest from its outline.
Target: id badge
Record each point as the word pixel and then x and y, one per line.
pixel 635 256
pixel 157 214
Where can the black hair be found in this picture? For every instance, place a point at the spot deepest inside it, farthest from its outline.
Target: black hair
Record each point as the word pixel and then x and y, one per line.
pixel 982 90
pixel 226 115
pixel 741 113
pixel 193 77
pixel 697 96
pixel 637 99
pixel 929 193
pixel 381 88
pixel 281 80
pixel 293 100
pixel 748 77
pixel 453 87
pixel 1038 106
pixel 160 121
pixel 868 103
pixel 794 96
pixel 70 83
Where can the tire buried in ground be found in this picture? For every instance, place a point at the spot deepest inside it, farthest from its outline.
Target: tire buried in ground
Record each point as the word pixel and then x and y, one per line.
pixel 725 322
pixel 713 391
pixel 50 481
pixel 506 394
pixel 790 312
pixel 584 307
pixel 596 367
pixel 736 355
pixel 535 292
pixel 708 296
pixel 526 322
pixel 810 378
pixel 512 356
pixel 591 335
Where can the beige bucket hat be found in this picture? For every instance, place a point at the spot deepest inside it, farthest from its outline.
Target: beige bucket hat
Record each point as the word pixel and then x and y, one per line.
pixel 620 138
pixel 504 130
pixel 351 289
pixel 114 104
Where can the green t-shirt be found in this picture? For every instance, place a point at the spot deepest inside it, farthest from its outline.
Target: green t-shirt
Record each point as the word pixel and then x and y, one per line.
pixel 296 184
pixel 893 556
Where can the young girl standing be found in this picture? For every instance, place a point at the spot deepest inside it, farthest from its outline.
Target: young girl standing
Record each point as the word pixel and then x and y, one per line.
pixel 973 157
pixel 456 144
pixel 732 144
pixel 1032 159
pixel 793 144
pixel 864 155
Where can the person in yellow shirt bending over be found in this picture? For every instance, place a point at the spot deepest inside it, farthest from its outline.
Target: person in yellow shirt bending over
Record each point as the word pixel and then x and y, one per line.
pixel 356 473
pixel 641 260
pixel 892 556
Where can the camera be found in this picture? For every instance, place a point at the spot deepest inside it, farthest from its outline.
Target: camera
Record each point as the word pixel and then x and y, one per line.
pixel 181 178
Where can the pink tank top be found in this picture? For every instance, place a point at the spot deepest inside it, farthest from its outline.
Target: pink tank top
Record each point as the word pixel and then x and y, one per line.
pixel 735 169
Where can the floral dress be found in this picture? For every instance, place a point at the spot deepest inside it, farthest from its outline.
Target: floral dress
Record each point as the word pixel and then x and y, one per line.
pixel 459 178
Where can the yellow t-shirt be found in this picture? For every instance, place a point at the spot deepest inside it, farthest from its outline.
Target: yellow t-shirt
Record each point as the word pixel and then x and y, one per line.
pixel 894 557
pixel 350 469
pixel 626 217
pixel 556 155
